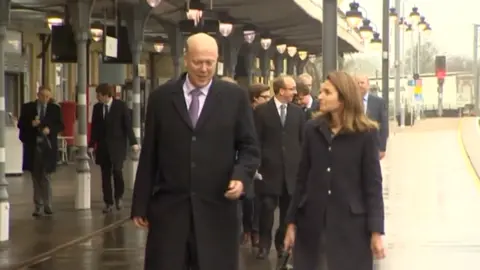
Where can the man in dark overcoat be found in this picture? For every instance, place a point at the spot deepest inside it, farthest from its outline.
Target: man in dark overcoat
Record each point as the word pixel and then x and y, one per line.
pixel 199 152
pixel 111 130
pixel 39 124
pixel 279 125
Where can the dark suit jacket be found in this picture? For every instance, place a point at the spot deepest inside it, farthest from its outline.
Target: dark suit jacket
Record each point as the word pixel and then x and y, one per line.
pixel 28 135
pixel 110 135
pixel 184 172
pixel 280 146
pixel 378 111
pixel 339 192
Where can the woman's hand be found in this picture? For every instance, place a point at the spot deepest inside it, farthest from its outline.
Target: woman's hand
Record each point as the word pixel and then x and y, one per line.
pixel 289 238
pixel 376 244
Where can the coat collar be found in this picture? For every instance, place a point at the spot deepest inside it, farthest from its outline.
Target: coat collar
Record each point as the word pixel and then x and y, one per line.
pixel 178 98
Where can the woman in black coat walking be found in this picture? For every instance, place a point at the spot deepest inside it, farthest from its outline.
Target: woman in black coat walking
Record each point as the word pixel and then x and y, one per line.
pixel 336 216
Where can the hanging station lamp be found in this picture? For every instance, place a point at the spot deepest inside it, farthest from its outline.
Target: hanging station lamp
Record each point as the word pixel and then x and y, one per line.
pixel 354 16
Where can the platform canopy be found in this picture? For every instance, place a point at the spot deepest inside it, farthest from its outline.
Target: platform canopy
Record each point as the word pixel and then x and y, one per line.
pixel 297 22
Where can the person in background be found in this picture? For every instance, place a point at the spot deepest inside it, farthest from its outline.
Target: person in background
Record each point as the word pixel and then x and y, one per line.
pixel 39 124
pixel 336 216
pixel 303 92
pixel 376 109
pixel 305 96
pixel 258 94
pixel 111 128
pixel 279 125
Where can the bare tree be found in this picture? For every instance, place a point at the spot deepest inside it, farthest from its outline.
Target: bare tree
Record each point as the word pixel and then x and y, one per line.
pixel 459 64
pixel 427 53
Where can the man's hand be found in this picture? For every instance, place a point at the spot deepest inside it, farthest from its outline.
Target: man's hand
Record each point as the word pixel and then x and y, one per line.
pixel 376 245
pixel 46 131
pixel 35 123
pixel 381 155
pixel 140 222
pixel 235 189
pixel 135 148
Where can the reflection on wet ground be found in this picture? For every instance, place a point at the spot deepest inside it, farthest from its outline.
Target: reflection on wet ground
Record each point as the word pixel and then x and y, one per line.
pixel 122 249
pixel 31 237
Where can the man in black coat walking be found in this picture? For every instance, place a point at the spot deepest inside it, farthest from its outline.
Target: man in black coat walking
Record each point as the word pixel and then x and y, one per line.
pixel 111 128
pixel 279 124
pixel 39 124
pixel 199 152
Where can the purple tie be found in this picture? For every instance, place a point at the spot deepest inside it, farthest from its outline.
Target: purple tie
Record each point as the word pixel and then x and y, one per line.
pixel 194 108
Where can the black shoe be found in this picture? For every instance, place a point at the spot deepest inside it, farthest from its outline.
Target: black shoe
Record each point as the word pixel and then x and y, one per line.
pixel 48 211
pixel 119 204
pixel 262 254
pixel 108 208
pixel 280 252
pixel 37 212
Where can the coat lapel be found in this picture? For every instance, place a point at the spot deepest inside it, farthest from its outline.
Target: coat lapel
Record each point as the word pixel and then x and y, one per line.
pixel 289 117
pixel 369 106
pixel 274 112
pixel 211 101
pixel 178 99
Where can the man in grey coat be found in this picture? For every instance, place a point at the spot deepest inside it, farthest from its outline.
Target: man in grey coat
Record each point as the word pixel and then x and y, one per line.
pixel 376 109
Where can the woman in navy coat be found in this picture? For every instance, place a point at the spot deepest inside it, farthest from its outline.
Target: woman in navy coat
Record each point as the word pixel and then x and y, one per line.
pixel 336 216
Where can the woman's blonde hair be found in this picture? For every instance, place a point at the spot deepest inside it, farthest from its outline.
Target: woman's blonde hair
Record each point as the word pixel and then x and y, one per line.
pixel 353 117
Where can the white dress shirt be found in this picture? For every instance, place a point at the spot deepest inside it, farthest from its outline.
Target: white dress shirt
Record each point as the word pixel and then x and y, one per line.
pixel 278 104
pixel 365 102
pixel 188 87
pixel 109 106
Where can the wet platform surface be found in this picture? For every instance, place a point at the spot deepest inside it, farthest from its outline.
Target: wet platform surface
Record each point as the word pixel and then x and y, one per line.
pixel 432 205
pixel 30 237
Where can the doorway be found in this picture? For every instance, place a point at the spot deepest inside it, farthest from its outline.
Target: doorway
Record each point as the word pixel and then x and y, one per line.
pixel 14 95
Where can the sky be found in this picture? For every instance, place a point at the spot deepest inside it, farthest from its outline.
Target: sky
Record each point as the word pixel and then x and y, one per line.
pixel 451 21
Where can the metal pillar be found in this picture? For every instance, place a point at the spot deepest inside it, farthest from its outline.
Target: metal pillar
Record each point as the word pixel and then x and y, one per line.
pixel 476 81
pixel 249 62
pixel 329 37
pixel 399 104
pixel 291 65
pixel 80 13
pixel 440 100
pixel 235 42
pixel 136 17
pixel 264 65
pixel 278 62
pixel 153 70
pixel 385 52
pixel 4 204
pixel 176 42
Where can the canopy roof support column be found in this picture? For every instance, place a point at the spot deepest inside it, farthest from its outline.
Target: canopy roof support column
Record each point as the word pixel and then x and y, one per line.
pixel 177 44
pixel 4 204
pixel 136 17
pixel 329 37
pixel 79 11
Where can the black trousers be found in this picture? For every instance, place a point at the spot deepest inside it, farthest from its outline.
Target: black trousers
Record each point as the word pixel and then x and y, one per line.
pixel 250 214
pixel 268 205
pixel 118 184
pixel 191 256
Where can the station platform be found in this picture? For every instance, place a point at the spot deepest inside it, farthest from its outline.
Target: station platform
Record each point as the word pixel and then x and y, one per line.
pixel 432 200
pixel 33 239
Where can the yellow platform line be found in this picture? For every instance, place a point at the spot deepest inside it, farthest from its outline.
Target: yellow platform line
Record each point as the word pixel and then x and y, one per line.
pixel 464 152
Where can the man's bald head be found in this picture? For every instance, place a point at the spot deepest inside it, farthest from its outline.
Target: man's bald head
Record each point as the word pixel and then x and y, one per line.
pixel 363 84
pixel 200 59
pixel 201 41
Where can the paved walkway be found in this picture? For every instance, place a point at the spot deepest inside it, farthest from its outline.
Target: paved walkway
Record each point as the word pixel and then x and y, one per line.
pixel 31 237
pixel 432 205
